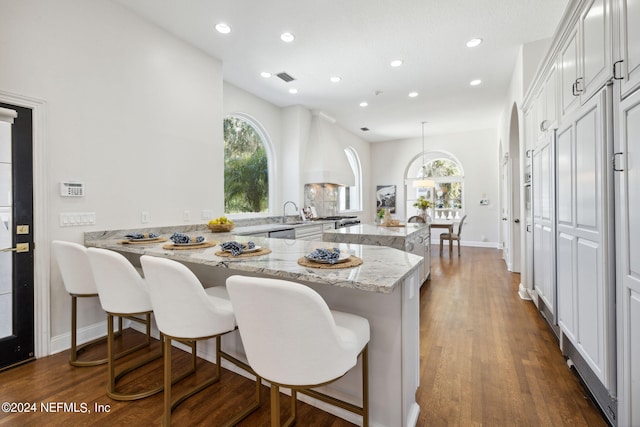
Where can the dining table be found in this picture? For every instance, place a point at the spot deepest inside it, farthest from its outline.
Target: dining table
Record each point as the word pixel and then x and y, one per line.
pixel 444 223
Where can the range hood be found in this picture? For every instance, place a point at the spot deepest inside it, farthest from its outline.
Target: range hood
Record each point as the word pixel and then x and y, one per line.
pixel 325 160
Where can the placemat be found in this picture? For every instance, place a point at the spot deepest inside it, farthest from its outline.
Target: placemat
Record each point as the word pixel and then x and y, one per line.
pixel 261 251
pixel 206 244
pixel 352 261
pixel 147 242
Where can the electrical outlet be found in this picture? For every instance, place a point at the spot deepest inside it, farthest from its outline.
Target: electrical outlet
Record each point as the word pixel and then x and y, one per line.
pixel 186 215
pixel 144 217
pixel 207 214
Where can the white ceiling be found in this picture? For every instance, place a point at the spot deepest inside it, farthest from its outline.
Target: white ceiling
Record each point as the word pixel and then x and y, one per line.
pixel 356 40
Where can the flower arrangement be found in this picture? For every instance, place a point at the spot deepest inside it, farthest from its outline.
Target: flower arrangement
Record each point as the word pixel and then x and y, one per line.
pixel 381 214
pixel 422 203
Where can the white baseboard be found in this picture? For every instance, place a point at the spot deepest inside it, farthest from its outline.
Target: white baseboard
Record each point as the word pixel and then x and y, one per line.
pixel 62 342
pixel 470 243
pixel 523 292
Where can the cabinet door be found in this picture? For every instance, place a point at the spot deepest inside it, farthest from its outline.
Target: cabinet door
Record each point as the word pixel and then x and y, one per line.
pixel 551 98
pixel 583 286
pixel 628 260
pixel 629 45
pixel 595 48
pixel 567 66
pixel 543 220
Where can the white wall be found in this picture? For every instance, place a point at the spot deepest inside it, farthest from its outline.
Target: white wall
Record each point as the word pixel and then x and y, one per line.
pixel 133 112
pixel 475 150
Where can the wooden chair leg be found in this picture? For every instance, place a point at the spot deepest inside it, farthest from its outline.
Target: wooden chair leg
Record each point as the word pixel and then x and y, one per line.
pixel 275 406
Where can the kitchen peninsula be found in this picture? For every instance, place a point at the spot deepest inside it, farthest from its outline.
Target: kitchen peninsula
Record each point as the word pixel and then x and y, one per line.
pixel 412 237
pixel 384 289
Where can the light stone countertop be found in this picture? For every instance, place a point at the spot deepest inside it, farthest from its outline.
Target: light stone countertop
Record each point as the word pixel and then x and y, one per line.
pixel 373 234
pixel 383 268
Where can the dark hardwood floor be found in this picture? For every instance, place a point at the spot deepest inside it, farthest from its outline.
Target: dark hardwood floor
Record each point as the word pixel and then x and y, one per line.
pixel 487 358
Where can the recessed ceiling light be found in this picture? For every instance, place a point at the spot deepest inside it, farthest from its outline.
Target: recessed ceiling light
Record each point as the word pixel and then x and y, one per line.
pixel 293 91
pixel 335 79
pixel 396 63
pixel 474 42
pixel 413 94
pixel 475 82
pixel 287 37
pixel 364 103
pixel 265 74
pixel 223 28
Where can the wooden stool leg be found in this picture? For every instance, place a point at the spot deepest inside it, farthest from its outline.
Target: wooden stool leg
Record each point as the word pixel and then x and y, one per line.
pixel 275 406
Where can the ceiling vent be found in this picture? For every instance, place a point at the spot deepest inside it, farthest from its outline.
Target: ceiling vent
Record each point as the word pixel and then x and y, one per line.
pixel 285 77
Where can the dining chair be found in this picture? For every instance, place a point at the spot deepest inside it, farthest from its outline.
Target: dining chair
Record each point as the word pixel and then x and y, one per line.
pixel 293 340
pixel 451 237
pixel 186 312
pixel 417 218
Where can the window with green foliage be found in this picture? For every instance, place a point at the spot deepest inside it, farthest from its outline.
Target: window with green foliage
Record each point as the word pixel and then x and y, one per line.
pixel 446 197
pixel 246 170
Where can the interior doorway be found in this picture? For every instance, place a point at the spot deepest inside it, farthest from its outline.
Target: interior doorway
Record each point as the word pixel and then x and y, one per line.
pixel 16 235
pixel 514 198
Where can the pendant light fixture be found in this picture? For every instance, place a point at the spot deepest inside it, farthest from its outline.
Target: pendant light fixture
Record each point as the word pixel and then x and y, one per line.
pixel 423 181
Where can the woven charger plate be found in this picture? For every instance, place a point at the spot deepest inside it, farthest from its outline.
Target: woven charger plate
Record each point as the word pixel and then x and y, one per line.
pixel 261 251
pixel 352 261
pixel 205 244
pixel 144 242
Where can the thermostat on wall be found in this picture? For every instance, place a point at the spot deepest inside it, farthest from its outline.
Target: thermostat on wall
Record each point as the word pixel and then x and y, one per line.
pixel 71 189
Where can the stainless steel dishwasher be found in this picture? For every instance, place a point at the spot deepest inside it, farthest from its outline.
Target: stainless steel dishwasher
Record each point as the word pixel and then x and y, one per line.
pixel 289 233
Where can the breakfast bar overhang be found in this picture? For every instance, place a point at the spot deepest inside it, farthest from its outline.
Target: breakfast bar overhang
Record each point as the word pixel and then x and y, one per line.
pixel 384 289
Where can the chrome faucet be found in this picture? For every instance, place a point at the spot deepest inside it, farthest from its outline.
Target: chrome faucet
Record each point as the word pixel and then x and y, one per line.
pixel 284 210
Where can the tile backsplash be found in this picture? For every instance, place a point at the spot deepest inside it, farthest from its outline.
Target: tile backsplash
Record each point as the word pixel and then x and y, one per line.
pixel 324 197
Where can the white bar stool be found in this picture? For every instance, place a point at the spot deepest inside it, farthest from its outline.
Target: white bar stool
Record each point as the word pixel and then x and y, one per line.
pixel 123 293
pixel 293 340
pixel 187 312
pixel 77 277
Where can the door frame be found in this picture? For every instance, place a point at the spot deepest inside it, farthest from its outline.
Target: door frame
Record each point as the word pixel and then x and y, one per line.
pixel 41 273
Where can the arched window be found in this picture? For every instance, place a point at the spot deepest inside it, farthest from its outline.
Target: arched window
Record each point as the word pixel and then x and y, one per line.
pixel 246 166
pixel 446 197
pixel 351 197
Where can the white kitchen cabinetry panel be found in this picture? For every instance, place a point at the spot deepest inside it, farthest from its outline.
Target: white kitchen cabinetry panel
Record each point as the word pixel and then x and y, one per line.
pixel 629 69
pixel 545 105
pixel 595 48
pixel 583 236
pixel 628 258
pixel 591 304
pixel 568 68
pixel 588 157
pixel 565 176
pixel 543 226
pixel 633 360
pixel 566 285
pixel 584 60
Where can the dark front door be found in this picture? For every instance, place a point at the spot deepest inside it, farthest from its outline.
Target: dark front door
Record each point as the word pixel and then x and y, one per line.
pixel 16 236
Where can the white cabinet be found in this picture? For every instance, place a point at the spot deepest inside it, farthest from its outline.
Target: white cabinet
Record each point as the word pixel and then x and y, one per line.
pixel 595 66
pixel 628 259
pixel 546 105
pixel 543 225
pixel 584 286
pixel 312 232
pixel 628 64
pixel 568 69
pixel 584 59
